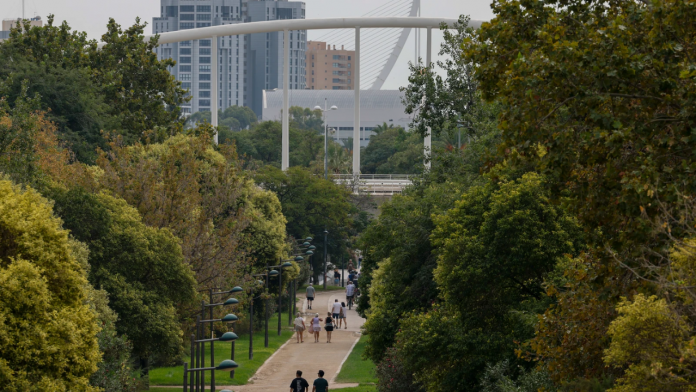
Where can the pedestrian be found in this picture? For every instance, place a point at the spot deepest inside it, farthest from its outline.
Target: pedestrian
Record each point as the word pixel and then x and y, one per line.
pixel 351 275
pixel 320 384
pixel 310 295
pixel 329 327
pixel 350 292
pixel 336 309
pixel 337 278
pixel 316 327
pixel 345 314
pixel 299 384
pixel 300 328
pixel 342 315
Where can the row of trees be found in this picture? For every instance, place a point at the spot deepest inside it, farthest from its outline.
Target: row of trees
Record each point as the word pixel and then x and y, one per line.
pixel 555 251
pixel 115 216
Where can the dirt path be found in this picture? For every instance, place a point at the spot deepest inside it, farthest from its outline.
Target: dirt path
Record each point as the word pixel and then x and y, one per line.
pixel 279 370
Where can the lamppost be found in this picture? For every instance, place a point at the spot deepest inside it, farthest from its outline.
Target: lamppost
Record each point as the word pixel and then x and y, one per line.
pixel 198 341
pixel 326 139
pixel 326 233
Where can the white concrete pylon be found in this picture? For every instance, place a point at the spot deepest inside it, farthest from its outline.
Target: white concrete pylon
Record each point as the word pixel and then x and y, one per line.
pixel 356 105
pixel 214 85
pixel 285 143
pixel 428 140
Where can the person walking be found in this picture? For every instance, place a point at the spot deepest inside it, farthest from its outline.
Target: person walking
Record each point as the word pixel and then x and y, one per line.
pixel 299 384
pixel 310 295
pixel 350 292
pixel 320 384
pixel 329 327
pixel 336 309
pixel 300 328
pixel 337 278
pixel 345 315
pixel 342 315
pixel 316 327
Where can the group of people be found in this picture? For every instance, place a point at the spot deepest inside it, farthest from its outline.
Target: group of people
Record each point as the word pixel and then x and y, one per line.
pixel 299 384
pixel 337 318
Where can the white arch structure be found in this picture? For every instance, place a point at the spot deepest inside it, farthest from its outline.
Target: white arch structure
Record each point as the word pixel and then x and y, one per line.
pixel 288 25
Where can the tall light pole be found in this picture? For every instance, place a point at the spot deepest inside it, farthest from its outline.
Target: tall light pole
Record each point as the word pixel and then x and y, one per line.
pixel 326 139
pixel 326 233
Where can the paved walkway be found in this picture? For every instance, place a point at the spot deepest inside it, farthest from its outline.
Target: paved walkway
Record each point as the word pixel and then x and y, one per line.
pixel 279 370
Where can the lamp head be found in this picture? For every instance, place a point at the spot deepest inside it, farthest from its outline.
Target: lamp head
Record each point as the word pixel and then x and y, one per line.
pixel 308 239
pixel 317 107
pixel 231 301
pixel 334 107
pixel 299 258
pixel 227 364
pixel 230 318
pixel 312 247
pixel 273 273
pixel 287 264
pixel 228 337
pixel 309 253
pixel 306 244
pixel 236 289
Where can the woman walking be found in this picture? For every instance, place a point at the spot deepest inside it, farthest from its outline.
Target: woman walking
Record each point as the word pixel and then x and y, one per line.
pixel 299 328
pixel 345 315
pixel 329 327
pixel 316 327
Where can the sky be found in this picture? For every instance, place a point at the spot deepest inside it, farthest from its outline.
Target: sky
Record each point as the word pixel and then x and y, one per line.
pixel 91 16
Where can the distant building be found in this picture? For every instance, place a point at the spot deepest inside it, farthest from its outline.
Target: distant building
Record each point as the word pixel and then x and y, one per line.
pixel 329 69
pixel 247 63
pixel 376 108
pixel 7 24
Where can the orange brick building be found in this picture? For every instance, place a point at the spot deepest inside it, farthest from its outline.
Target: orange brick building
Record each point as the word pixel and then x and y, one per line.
pixel 329 68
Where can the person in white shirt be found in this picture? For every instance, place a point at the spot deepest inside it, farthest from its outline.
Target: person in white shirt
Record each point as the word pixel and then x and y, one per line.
pixel 336 309
pixel 350 291
pixel 299 328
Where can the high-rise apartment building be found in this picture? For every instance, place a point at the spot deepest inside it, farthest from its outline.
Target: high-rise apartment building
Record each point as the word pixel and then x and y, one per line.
pixel 329 69
pixel 265 52
pixel 247 64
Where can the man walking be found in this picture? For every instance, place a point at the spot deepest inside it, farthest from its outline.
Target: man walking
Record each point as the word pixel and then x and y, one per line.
pixel 299 384
pixel 320 384
pixel 350 292
pixel 310 296
pixel 336 309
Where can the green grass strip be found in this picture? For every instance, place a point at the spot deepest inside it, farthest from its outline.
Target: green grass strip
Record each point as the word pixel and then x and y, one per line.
pixel 175 375
pixel 357 369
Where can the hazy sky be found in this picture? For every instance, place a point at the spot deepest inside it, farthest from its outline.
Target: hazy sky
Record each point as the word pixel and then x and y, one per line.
pixel 91 16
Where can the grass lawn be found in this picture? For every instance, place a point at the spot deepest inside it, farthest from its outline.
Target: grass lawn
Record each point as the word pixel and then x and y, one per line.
pixel 175 375
pixel 360 388
pixel 356 369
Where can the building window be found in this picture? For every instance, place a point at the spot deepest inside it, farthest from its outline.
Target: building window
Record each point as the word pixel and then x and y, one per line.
pixel 202 16
pixel 336 88
pixel 203 8
pixel 204 94
pixel 204 51
pixel 186 26
pixel 202 24
pixel 186 8
pixel 204 60
pixel 185 43
pixel 336 65
pixel 204 42
pixel 348 57
pixel 184 68
pixel 186 85
pixel 336 80
pixel 186 17
pixel 185 76
pixel 204 77
pixel 185 60
pixel 203 102
pixel 186 51
pixel 204 86
pixel 204 68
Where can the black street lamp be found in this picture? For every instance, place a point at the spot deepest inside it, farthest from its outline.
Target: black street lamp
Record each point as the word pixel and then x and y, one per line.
pixel 198 340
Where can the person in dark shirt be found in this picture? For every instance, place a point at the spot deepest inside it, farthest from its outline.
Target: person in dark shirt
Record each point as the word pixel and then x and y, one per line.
pixel 320 384
pixel 299 384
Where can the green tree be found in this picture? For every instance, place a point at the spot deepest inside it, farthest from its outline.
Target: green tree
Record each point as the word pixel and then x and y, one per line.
pixel 142 268
pixel 122 87
pixel 311 205
pixel 392 150
pixel 47 331
pixel 307 119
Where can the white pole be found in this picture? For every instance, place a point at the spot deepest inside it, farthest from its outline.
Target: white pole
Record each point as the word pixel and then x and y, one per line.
pixel 428 142
pixel 285 158
pixel 214 85
pixel 356 113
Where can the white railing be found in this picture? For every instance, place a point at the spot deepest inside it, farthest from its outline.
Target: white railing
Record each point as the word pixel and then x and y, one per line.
pixel 375 184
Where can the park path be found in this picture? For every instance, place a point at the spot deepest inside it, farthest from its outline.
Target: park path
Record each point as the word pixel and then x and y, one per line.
pixel 279 370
